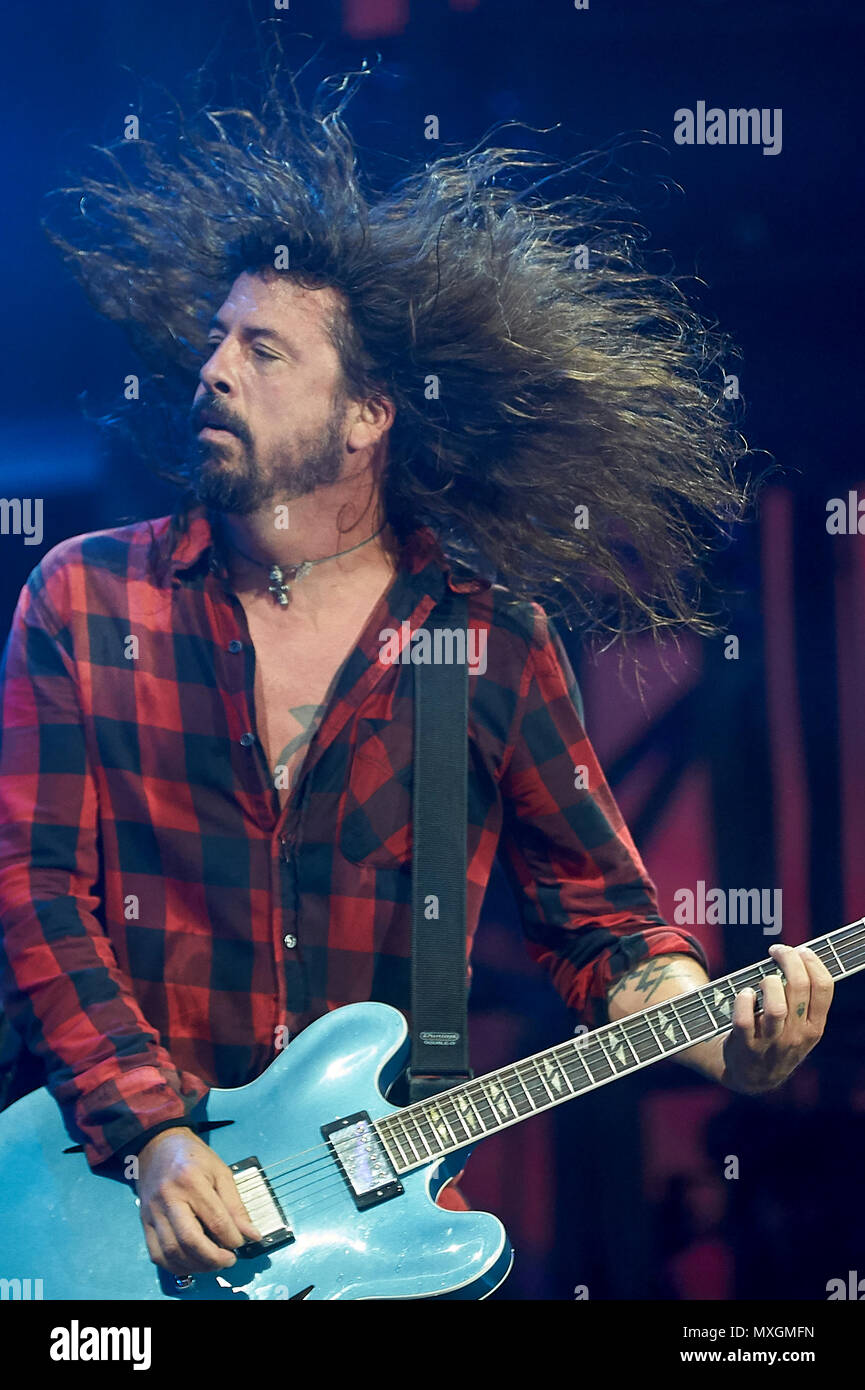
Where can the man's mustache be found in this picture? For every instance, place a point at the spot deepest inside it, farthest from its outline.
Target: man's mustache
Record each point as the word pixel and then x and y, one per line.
pixel 206 412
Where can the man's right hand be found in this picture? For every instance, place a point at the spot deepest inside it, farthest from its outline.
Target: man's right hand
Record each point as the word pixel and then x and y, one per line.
pixel 191 1210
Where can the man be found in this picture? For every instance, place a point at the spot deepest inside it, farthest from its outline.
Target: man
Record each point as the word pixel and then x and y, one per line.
pixel 205 830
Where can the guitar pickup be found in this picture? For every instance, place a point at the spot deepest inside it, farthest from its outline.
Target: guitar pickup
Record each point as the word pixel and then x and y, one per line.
pixel 362 1160
pixel 264 1210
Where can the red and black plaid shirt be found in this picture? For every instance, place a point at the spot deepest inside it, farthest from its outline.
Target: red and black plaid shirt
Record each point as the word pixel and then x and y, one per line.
pixel 165 927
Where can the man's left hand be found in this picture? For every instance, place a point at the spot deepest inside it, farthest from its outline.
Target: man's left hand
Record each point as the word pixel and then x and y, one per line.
pixel 763 1049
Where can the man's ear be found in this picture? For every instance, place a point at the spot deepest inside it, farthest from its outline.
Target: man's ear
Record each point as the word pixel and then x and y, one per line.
pixel 370 421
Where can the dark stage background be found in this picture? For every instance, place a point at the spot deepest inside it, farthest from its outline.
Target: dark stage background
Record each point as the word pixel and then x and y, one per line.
pixel 741 773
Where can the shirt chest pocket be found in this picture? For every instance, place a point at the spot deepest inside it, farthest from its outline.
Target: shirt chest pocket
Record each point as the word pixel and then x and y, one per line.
pixel 377 815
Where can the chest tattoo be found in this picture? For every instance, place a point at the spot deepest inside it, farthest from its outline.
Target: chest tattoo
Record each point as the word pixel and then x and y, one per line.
pixel 307 717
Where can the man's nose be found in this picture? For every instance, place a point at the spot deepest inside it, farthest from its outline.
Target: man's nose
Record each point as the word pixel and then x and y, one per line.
pixel 216 373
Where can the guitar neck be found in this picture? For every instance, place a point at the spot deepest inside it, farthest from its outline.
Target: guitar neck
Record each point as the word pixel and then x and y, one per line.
pixel 433 1128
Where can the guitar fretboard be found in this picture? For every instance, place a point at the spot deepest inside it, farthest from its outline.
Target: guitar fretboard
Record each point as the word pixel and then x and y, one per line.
pixel 459 1117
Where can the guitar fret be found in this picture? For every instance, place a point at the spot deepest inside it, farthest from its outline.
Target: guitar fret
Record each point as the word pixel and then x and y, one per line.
pixel 427 1133
pixel 655 1038
pixel 449 1105
pixel 556 1073
pixel 453 1118
pixel 529 1097
pixel 852 944
pixel 520 1104
pixel 617 1038
pixel 701 1027
pixel 647 1044
pixel 416 1137
pixel 485 1109
pixel 830 958
pixel 438 1122
pixel 400 1120
pixel 469 1116
pixel 852 940
pixel 458 1118
pixel 522 1100
pixel 671 1003
pixel 555 1070
pixel 540 1076
pixel 577 1057
pixel 498 1101
pixel 667 1025
pixel 629 1026
pixel 720 1003
pixel 590 1061
pixel 389 1144
pixel 551 1079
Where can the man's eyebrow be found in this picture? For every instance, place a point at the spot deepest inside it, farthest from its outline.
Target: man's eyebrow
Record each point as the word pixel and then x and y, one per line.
pixel 252 331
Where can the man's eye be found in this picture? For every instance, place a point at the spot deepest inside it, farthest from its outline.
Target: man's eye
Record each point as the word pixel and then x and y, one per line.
pixel 259 352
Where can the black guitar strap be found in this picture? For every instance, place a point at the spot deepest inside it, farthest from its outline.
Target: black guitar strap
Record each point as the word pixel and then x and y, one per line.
pixel 439 1004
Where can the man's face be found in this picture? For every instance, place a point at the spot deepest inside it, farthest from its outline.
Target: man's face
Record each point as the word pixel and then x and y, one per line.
pixel 274 380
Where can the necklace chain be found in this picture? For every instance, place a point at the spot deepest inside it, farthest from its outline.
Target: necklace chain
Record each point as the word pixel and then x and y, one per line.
pixel 279 586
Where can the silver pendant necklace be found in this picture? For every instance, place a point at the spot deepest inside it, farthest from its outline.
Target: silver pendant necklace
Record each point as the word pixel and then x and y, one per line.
pixel 282 577
pixel 279 586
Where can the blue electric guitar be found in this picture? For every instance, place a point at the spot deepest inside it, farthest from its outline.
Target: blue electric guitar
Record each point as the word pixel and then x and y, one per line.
pixel 340 1182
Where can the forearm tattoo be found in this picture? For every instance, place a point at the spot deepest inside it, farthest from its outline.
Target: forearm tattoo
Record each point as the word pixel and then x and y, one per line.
pixel 647 979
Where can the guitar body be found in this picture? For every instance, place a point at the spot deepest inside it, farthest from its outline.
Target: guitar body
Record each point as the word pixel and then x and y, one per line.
pixel 349 1212
pixel 80 1233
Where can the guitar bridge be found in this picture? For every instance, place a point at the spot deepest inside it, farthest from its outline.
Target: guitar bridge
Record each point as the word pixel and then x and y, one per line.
pixel 261 1203
pixel 362 1160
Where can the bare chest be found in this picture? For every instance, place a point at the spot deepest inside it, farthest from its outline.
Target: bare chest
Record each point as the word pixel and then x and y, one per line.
pixel 297 666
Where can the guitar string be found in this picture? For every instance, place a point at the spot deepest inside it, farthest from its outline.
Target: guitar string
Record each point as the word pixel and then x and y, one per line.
pixel 684 1007
pixel 592 1051
pixel 329 1176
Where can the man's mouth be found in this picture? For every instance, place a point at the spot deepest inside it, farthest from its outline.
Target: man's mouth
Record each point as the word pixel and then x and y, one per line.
pixel 210 423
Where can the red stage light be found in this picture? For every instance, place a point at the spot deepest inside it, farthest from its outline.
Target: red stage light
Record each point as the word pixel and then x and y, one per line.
pixel 370 19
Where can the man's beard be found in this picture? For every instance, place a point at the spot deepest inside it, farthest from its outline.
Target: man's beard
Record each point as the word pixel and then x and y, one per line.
pixel 228 477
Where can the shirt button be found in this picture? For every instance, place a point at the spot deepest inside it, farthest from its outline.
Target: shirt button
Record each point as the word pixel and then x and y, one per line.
pixel 247 739
pixel 289 942
pixel 235 646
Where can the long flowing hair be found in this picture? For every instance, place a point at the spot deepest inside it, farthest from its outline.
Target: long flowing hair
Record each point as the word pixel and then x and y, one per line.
pixel 560 405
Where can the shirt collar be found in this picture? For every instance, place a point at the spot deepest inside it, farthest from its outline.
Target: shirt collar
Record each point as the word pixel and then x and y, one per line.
pixel 422 548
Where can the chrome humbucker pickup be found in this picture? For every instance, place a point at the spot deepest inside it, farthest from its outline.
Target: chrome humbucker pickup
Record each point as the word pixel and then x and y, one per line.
pixel 362 1160
pixel 260 1201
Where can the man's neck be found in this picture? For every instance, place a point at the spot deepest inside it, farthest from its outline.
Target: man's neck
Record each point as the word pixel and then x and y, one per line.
pixel 347 557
